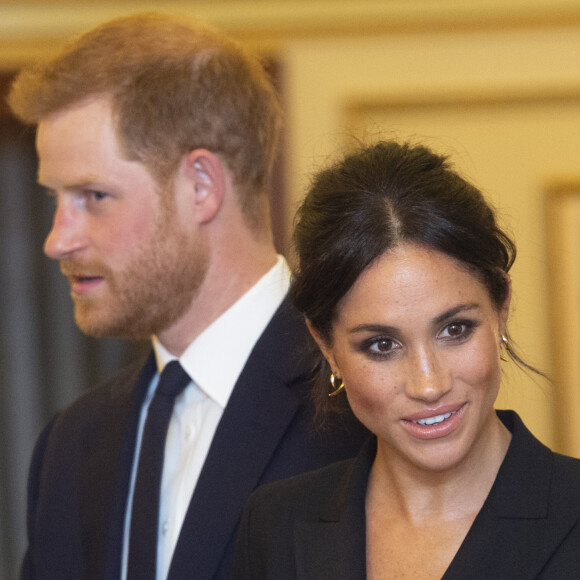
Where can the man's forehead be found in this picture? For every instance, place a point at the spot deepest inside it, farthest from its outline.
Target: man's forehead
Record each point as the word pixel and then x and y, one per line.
pixel 79 145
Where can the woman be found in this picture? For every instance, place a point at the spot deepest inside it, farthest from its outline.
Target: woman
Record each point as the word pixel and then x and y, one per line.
pixel 403 280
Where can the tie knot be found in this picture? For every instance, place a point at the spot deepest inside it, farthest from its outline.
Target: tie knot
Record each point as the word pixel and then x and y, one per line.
pixel 173 380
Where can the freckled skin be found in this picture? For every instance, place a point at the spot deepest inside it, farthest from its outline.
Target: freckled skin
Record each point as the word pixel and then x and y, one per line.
pixel 399 355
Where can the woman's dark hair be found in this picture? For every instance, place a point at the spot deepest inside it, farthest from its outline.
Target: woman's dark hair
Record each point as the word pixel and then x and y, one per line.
pixel 375 199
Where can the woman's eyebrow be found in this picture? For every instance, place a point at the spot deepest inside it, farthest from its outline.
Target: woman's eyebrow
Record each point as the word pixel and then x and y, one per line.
pixel 391 330
pixel 378 328
pixel 453 312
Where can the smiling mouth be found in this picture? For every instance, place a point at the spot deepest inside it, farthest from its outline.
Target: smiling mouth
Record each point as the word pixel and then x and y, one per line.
pixel 434 420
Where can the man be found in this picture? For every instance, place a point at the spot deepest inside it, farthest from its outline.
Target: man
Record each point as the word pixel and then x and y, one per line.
pixel 156 138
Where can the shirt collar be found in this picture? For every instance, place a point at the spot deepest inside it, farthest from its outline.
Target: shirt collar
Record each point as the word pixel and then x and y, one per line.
pixel 215 359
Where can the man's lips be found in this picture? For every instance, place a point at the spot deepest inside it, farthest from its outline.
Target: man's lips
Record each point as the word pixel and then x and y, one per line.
pixel 84 278
pixel 81 284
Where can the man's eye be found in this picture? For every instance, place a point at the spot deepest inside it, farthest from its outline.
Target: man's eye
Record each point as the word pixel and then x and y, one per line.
pixel 98 195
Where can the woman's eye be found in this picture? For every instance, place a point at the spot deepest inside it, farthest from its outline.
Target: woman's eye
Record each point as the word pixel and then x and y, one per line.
pixel 382 346
pixel 455 330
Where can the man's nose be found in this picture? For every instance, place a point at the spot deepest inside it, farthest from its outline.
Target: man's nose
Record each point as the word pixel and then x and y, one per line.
pixel 67 233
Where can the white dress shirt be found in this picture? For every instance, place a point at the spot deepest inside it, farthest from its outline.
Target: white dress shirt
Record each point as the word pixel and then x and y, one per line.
pixel 214 361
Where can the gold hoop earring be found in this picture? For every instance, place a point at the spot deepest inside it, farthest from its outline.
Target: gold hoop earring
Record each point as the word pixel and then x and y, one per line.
pixel 336 389
pixel 505 343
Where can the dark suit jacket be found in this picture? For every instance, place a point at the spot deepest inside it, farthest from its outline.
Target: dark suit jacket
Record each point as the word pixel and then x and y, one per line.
pixel 81 464
pixel 312 526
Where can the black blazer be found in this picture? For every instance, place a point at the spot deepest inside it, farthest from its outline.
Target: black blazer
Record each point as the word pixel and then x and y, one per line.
pixel 312 526
pixel 81 464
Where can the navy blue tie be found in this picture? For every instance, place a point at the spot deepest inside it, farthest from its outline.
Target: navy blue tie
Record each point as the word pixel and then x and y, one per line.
pixel 145 511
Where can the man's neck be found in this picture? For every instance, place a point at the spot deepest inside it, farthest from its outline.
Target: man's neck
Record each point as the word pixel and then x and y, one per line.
pixel 221 289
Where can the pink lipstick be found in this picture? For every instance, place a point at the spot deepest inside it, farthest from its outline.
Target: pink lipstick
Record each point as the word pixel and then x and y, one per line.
pixel 434 423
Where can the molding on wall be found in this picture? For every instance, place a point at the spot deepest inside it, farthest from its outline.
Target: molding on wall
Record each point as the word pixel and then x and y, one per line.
pixel 562 218
pixel 31 29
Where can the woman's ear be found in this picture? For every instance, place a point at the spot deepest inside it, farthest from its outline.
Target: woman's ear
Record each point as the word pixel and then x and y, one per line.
pixel 205 174
pixel 324 347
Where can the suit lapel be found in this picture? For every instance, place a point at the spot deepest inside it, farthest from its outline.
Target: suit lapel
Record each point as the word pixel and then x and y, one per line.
pixel 258 413
pixel 334 545
pixel 519 527
pixel 107 468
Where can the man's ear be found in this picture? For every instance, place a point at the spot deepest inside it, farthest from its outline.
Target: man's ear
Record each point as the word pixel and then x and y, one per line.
pixel 324 347
pixel 205 173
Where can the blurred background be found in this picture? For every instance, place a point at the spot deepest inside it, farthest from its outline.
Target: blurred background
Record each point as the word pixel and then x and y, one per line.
pixel 495 84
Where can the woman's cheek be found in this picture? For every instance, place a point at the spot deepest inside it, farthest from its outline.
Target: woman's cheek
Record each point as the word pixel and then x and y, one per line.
pixel 480 367
pixel 371 392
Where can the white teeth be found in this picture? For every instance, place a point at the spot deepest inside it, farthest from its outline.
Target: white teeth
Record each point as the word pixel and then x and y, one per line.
pixel 434 420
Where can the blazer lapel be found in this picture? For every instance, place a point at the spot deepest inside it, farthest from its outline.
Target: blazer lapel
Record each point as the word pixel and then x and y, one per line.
pixel 519 526
pixel 107 468
pixel 258 413
pixel 334 545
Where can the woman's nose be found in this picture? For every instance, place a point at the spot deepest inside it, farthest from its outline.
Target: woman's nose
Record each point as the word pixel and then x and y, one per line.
pixel 427 378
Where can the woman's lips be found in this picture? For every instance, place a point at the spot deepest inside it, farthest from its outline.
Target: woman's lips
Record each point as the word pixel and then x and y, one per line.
pixel 434 423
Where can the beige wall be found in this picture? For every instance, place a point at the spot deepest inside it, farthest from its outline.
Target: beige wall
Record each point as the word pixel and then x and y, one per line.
pixel 504 104
pixel 495 86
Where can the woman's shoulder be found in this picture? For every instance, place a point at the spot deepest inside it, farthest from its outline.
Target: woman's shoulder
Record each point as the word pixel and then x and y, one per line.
pixel 531 459
pixel 567 473
pixel 266 536
pixel 305 489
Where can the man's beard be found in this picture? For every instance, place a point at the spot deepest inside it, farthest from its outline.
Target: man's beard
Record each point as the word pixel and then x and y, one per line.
pixel 150 294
